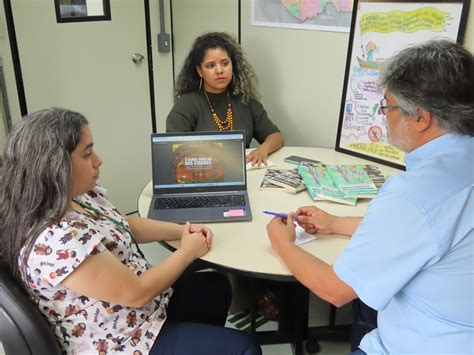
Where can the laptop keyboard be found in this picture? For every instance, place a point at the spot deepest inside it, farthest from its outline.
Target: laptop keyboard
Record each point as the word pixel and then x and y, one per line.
pixel 199 201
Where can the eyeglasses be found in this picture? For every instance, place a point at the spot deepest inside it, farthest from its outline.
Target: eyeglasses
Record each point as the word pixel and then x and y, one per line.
pixel 384 108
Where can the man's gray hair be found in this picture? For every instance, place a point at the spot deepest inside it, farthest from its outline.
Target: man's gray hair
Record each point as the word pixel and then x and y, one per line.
pixel 35 179
pixel 436 76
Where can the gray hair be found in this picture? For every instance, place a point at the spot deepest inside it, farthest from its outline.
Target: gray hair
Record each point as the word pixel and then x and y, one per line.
pixel 437 76
pixel 35 179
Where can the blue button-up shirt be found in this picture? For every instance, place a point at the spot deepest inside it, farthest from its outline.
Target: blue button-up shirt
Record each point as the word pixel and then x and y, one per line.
pixel 412 257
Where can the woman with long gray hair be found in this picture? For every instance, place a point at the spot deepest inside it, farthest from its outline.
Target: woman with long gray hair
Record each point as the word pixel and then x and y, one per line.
pixel 72 250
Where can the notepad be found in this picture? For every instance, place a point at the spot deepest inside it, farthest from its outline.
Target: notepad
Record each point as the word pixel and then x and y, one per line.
pixel 303 237
pixel 249 166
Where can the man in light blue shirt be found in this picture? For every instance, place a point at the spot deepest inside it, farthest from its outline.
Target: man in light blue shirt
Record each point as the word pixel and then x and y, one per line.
pixel 412 255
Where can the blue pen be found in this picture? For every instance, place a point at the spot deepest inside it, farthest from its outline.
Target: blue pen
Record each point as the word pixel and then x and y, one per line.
pixel 282 215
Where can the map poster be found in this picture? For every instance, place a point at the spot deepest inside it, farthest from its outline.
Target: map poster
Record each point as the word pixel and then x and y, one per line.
pixel 379 30
pixel 323 15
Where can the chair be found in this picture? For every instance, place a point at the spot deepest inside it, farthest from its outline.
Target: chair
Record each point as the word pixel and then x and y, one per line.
pixel 23 330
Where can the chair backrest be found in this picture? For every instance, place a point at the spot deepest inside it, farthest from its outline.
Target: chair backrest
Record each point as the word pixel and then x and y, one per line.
pixel 23 329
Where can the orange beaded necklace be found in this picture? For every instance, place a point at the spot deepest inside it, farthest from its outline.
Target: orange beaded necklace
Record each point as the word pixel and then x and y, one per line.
pixel 223 125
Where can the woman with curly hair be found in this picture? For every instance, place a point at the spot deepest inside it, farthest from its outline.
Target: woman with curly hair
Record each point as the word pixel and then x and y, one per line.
pixel 216 89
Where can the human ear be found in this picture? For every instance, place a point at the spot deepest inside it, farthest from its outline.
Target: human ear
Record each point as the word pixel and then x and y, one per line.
pixel 424 119
pixel 199 71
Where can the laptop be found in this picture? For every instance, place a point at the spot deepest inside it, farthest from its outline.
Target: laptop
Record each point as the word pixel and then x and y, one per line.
pixel 199 177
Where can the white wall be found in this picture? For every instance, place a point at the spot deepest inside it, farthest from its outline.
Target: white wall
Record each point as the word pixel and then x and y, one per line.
pixel 300 72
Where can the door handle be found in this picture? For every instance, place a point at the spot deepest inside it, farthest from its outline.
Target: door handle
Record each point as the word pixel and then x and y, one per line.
pixel 138 58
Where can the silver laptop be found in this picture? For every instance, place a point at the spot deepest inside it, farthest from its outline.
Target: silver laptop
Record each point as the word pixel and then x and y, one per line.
pixel 199 177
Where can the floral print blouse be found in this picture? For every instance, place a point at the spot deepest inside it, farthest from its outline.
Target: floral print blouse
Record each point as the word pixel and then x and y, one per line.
pixel 82 324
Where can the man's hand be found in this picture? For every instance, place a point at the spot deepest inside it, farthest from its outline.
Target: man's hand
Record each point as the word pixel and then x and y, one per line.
pixel 281 232
pixel 314 220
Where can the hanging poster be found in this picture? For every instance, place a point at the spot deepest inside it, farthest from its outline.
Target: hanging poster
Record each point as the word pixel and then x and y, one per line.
pixel 322 15
pixel 380 29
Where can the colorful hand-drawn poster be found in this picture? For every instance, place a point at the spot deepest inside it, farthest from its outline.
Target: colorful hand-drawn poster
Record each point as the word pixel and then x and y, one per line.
pixel 381 29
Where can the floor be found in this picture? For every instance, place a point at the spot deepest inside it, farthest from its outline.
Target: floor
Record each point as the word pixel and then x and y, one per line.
pixel 318 315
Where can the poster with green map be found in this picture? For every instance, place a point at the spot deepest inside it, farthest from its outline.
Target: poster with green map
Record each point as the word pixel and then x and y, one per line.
pixel 379 30
pixel 323 15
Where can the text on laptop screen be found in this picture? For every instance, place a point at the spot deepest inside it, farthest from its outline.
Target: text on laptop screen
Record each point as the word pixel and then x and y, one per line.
pixel 198 161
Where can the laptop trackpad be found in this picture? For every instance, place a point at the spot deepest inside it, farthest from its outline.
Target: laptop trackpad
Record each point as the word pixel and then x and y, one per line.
pixel 185 214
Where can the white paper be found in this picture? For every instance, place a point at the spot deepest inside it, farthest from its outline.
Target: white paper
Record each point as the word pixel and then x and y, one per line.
pixel 303 237
pixel 259 166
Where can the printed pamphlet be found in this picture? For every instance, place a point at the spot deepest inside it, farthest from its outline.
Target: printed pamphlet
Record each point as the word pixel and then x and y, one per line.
pixel 377 177
pixel 321 186
pixel 267 185
pixel 289 179
pixel 352 181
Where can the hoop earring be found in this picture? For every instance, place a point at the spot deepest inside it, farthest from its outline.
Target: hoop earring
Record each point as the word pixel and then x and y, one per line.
pixel 233 78
pixel 200 83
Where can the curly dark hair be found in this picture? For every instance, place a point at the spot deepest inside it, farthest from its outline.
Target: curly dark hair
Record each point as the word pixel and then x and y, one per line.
pixel 245 81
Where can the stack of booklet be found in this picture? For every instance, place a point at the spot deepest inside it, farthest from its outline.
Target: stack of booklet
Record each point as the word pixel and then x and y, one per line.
pixel 341 183
pixel 288 180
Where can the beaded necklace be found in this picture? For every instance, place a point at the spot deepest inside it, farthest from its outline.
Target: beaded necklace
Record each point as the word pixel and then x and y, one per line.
pixel 223 125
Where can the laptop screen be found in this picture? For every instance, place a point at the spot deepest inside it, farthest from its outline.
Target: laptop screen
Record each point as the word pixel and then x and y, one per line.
pixel 198 161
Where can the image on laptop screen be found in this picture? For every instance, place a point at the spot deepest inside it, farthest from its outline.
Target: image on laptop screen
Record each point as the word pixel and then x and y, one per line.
pixel 204 160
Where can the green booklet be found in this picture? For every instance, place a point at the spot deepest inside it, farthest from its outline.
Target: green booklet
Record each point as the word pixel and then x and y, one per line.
pixel 321 186
pixel 352 181
pixel 311 177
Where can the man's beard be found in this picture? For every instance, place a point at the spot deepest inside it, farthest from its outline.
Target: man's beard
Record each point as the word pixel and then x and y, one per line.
pixel 400 140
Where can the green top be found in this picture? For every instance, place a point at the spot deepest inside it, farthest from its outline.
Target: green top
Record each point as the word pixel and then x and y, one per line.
pixel 191 113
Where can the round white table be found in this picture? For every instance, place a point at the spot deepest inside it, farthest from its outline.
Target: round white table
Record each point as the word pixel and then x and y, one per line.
pixel 243 247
